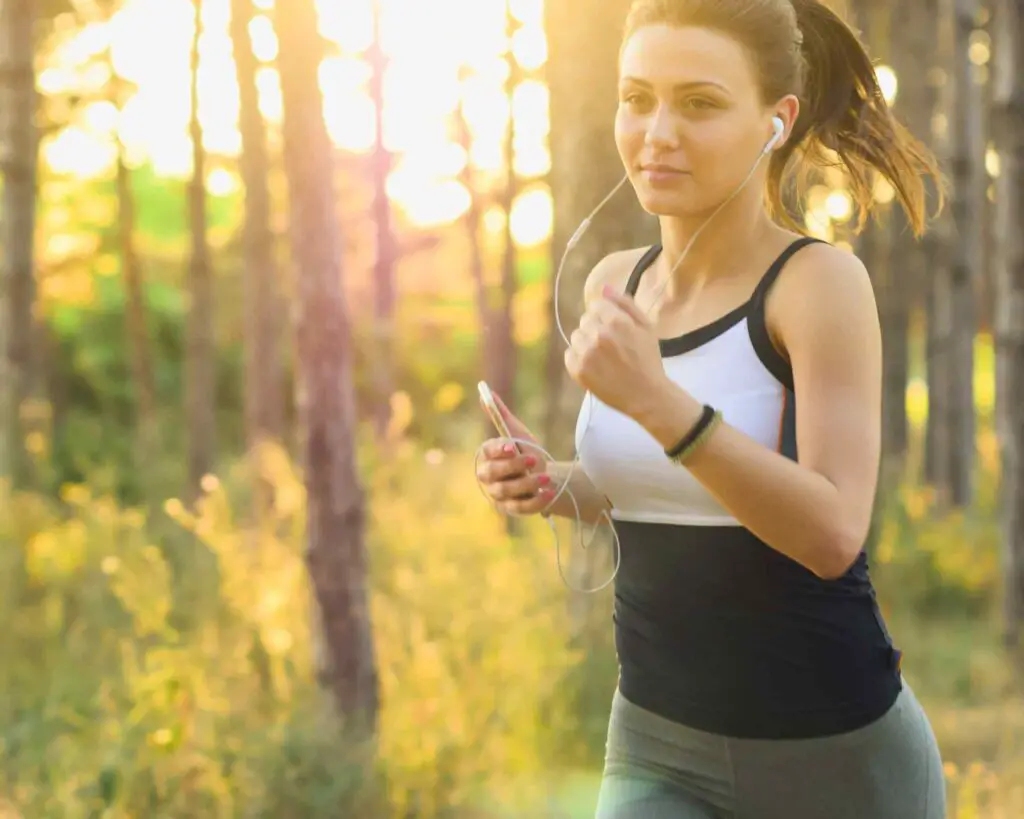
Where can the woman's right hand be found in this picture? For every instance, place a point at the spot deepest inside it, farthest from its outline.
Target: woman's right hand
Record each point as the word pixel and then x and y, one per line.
pixel 515 476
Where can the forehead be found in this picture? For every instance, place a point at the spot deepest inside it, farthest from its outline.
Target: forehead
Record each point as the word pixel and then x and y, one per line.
pixel 664 56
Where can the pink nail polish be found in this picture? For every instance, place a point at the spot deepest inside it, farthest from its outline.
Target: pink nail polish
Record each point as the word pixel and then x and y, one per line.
pixel 509 449
pixel 531 461
pixel 544 480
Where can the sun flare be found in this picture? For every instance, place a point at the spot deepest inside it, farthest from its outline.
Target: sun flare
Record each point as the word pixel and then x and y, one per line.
pixel 433 72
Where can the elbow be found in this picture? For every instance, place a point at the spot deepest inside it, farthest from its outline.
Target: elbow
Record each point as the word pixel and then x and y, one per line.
pixel 838 554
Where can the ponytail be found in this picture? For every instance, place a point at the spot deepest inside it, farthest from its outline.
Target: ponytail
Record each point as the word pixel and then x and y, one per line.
pixel 845 121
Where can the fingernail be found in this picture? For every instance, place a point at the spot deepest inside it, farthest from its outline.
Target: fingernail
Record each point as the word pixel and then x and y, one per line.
pixel 607 290
pixel 544 480
pixel 531 461
pixel 509 449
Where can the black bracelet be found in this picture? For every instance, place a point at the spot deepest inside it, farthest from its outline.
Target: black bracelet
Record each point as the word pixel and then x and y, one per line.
pixel 706 417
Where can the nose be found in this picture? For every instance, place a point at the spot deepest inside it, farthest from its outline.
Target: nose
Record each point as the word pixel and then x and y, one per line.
pixel 660 129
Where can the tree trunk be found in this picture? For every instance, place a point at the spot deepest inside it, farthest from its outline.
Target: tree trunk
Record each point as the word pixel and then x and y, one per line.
pixel 137 333
pixel 264 303
pixel 200 362
pixel 939 249
pixel 336 553
pixel 505 350
pixel 387 250
pixel 17 277
pixel 1008 101
pixel 968 182
pixel 582 75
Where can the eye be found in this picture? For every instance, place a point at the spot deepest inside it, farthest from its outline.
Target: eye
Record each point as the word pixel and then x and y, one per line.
pixel 632 98
pixel 699 103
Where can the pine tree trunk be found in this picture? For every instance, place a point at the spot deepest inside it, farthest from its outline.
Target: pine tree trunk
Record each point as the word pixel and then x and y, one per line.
pixel 505 349
pixel 336 553
pixel 18 163
pixel 386 250
pixel 264 303
pixel 582 75
pixel 1008 105
pixel 200 381
pixel 968 181
pixel 938 252
pixel 137 334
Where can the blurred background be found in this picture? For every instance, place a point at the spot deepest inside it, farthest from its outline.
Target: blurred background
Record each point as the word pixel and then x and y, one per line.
pixel 254 260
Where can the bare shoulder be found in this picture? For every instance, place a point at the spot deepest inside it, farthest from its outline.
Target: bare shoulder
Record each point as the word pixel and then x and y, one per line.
pixel 824 293
pixel 613 269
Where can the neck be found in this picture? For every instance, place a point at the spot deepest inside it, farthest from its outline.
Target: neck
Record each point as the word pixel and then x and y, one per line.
pixel 724 241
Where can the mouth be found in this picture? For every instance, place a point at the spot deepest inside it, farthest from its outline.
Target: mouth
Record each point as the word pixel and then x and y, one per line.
pixel 657 167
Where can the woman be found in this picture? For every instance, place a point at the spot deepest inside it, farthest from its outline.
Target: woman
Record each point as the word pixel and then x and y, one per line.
pixel 734 434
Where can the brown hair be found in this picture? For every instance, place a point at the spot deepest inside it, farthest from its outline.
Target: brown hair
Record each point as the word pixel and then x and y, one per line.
pixel 802 47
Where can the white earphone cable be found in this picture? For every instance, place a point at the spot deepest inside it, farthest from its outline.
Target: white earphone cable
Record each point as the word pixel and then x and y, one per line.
pixel 564 488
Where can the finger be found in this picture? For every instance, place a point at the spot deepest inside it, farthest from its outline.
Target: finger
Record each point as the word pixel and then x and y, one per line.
pixel 518 488
pixel 515 426
pixel 532 506
pixel 499 449
pixel 503 469
pixel 625 303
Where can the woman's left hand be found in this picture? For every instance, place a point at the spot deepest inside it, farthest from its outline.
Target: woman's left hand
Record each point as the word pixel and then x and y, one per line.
pixel 614 354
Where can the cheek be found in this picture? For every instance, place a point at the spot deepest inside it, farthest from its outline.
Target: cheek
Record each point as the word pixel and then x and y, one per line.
pixel 720 148
pixel 629 135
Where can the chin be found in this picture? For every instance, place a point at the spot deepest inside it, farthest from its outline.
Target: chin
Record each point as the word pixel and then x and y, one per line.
pixel 666 203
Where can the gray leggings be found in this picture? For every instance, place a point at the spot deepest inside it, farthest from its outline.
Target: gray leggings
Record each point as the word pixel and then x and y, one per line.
pixel 658 769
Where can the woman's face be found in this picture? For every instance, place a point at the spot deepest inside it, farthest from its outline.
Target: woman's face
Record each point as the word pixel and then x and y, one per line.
pixel 690 122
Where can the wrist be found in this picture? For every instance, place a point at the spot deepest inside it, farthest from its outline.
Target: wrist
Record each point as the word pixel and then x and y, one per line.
pixel 668 413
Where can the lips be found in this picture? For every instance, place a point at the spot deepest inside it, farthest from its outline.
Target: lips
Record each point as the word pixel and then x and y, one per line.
pixel 658 168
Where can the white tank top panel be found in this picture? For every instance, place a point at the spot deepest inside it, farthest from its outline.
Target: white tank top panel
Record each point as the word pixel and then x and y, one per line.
pixel 730 365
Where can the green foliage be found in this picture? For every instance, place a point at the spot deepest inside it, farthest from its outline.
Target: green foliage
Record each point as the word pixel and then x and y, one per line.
pixel 147 679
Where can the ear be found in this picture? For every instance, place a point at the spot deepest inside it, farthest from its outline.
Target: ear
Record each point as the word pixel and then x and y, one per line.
pixel 788 110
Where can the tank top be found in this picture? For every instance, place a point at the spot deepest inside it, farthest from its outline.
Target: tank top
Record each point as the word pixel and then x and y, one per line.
pixel 715 629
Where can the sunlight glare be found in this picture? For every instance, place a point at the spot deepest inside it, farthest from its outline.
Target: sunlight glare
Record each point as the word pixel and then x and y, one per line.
pixel 530 47
pixel 221 182
pixel 432 66
pixel 887 82
pixel 427 205
pixel 532 217
pixel 172 156
pixel 264 38
pixel 101 118
pixel 530 106
pixel 839 206
pixel 527 12
pixel 77 151
pixel 333 19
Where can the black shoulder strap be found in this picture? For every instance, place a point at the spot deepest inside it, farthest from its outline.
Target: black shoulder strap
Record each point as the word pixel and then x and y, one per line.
pixel 645 262
pixel 773 272
pixel 757 325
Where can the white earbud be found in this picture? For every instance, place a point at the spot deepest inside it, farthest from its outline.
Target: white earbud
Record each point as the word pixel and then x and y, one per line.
pixel 780 129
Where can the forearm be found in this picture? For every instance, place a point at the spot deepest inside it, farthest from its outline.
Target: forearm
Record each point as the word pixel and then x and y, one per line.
pixel 793 509
pixel 589 500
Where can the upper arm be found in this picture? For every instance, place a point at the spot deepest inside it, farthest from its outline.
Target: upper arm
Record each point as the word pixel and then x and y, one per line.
pixel 824 317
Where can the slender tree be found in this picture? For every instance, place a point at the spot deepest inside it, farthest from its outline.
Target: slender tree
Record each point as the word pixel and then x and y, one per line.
pixel 18 163
pixel 264 365
pixel 1008 102
pixel 966 269
pixel 582 79
pixel 200 357
pixel 336 553
pixel 386 245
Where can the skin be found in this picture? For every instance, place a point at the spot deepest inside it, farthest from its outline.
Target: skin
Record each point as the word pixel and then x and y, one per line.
pixel 690 101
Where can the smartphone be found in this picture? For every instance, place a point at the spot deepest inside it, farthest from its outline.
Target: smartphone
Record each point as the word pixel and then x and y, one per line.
pixel 491 407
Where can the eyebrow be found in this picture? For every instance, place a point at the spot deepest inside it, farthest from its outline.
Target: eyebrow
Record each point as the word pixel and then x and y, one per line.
pixel 681 86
